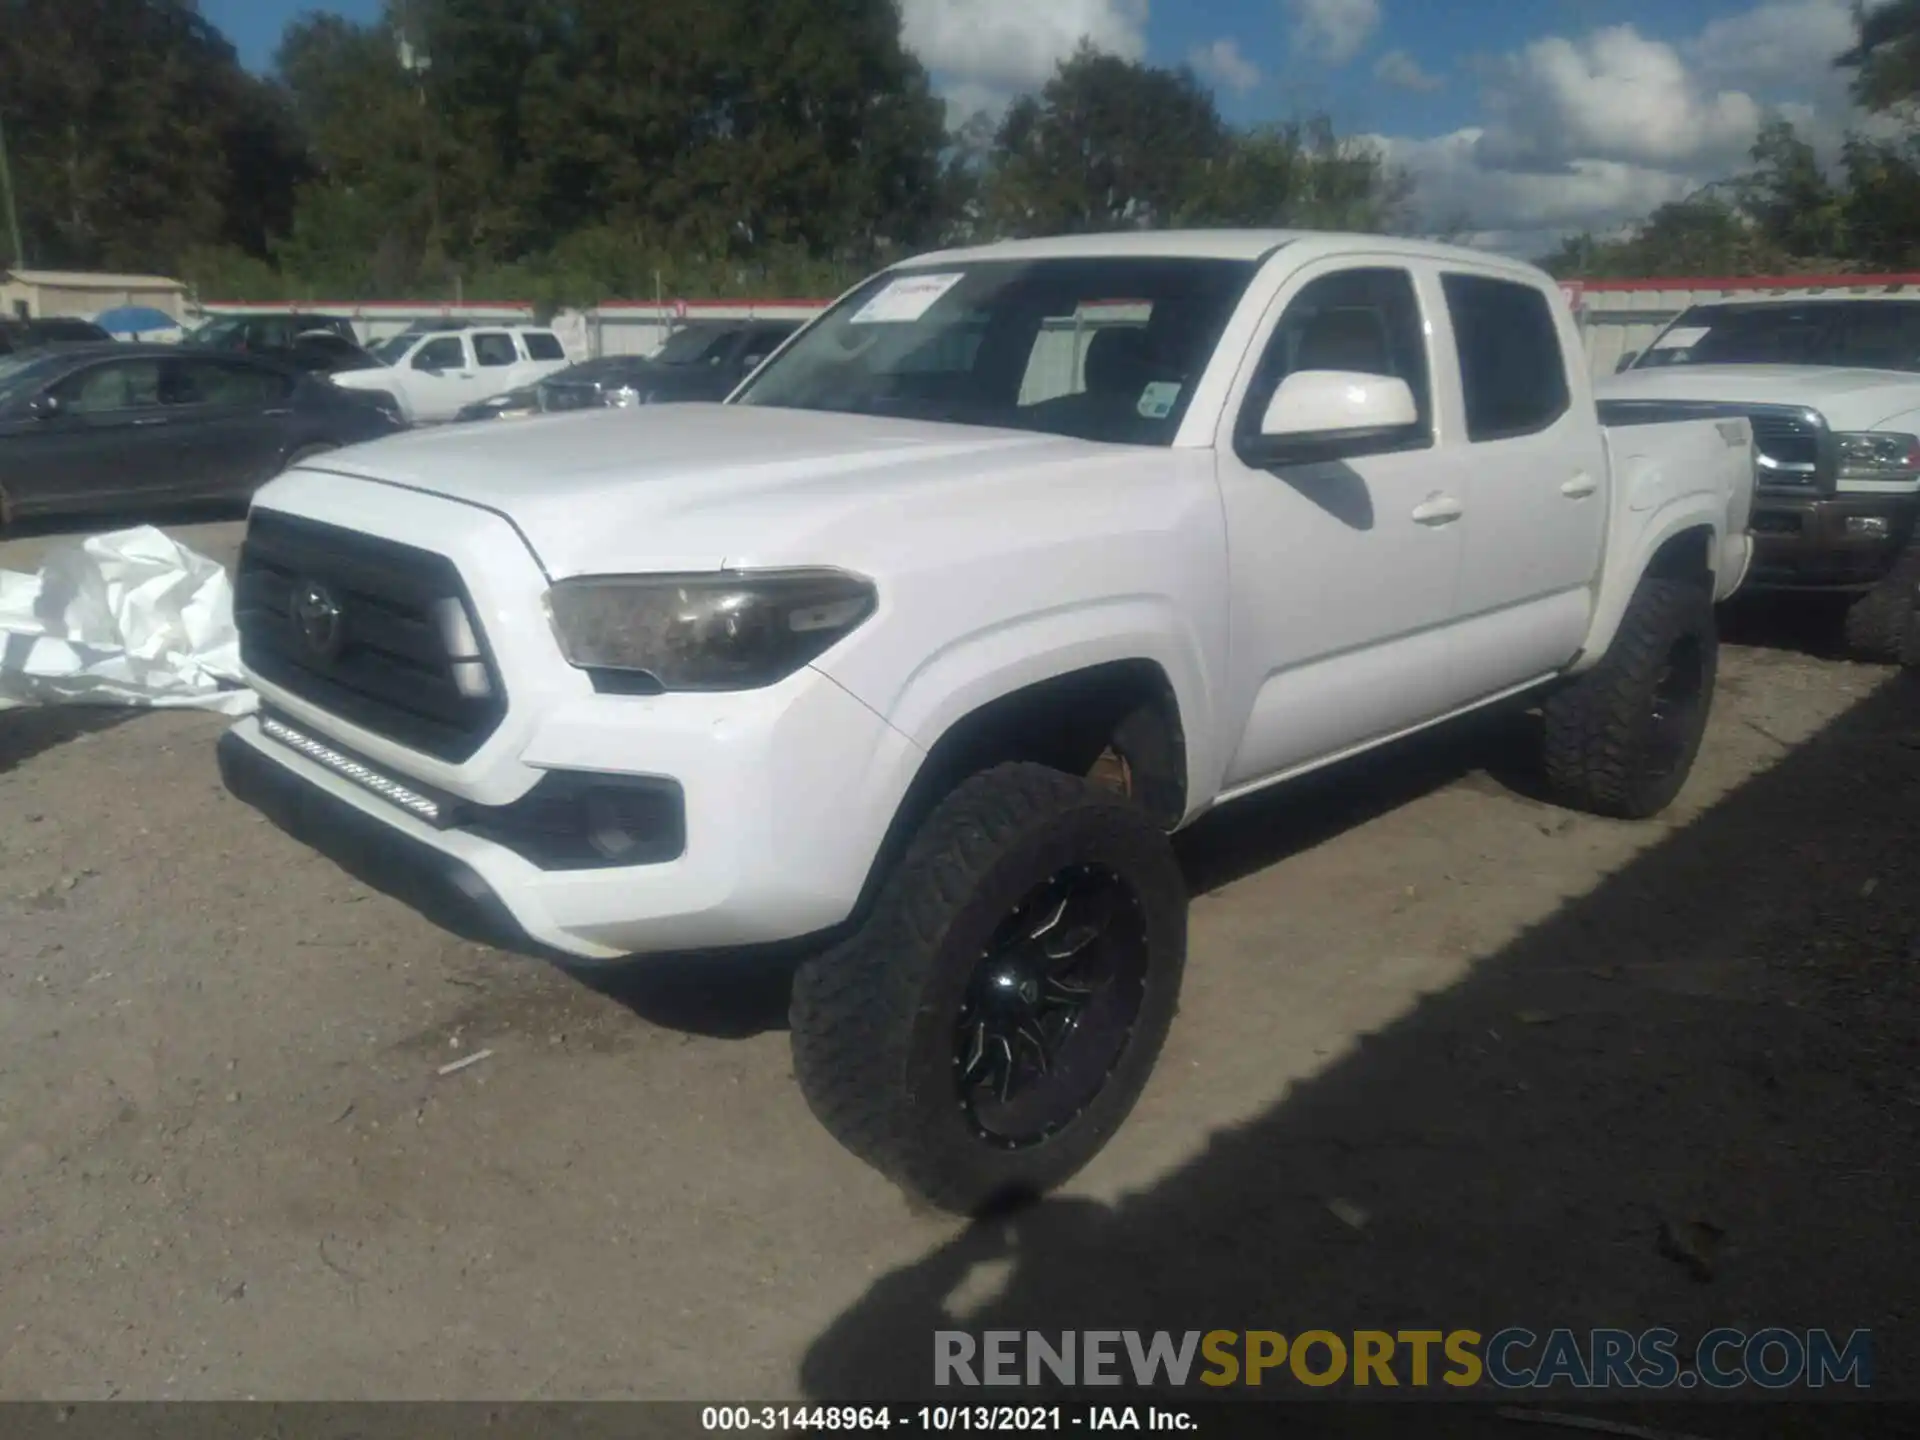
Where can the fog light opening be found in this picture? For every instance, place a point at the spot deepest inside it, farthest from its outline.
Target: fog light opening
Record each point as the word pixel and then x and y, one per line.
pixel 611 825
pixel 1869 527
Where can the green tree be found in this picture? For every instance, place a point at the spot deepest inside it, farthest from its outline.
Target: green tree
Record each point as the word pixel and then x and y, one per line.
pixel 136 136
pixel 1886 58
pixel 1108 144
pixel 1297 174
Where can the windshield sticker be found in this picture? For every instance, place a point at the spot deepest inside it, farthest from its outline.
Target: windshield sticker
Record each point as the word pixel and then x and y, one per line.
pixel 1682 337
pixel 1158 399
pixel 905 300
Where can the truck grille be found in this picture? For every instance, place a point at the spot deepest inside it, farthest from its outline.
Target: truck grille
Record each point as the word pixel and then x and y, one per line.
pixel 571 396
pixel 1789 445
pixel 378 633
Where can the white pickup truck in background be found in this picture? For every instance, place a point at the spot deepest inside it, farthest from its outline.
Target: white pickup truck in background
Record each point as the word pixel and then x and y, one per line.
pixel 1832 387
pixel 919 647
pixel 432 374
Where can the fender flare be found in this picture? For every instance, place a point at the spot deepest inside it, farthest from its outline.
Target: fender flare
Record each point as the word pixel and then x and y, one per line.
pixel 973 670
pixel 1627 566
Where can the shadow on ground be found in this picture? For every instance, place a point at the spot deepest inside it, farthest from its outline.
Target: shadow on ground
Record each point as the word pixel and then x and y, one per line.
pixel 737 996
pixel 1721 1040
pixel 27 731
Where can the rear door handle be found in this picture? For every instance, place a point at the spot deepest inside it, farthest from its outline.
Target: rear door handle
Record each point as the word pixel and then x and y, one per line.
pixel 1438 509
pixel 1579 487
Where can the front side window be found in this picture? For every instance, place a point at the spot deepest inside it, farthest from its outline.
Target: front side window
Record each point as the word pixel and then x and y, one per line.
pixel 960 344
pixel 105 389
pixel 1365 322
pixel 1511 368
pixel 446 353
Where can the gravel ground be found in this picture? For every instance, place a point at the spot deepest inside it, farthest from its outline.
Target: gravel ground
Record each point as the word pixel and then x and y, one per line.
pixel 1447 1056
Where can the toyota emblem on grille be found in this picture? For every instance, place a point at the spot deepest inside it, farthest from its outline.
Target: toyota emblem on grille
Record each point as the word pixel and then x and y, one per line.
pixel 317 619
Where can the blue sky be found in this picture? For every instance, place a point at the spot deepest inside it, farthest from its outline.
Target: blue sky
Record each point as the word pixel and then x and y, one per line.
pixel 1520 119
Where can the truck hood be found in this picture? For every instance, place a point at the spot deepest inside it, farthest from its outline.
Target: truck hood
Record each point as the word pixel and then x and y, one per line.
pixel 698 487
pixel 1850 399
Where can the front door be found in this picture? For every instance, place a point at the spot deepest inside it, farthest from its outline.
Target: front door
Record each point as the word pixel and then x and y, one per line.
pixel 443 377
pixel 107 443
pixel 1345 569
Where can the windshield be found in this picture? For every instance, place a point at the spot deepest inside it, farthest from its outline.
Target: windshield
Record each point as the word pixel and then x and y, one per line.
pixel 23 375
pixel 390 350
pixel 218 332
pixel 689 347
pixel 1101 349
pixel 1867 334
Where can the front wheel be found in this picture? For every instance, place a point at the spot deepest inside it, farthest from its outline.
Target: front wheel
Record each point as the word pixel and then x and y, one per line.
pixel 1879 622
pixel 986 1031
pixel 1621 739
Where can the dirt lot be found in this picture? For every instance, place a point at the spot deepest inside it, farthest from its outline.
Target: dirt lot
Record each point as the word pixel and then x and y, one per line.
pixel 1510 1045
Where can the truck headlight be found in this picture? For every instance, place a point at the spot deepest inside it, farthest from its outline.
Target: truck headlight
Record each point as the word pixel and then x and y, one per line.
pixel 1878 455
pixel 730 631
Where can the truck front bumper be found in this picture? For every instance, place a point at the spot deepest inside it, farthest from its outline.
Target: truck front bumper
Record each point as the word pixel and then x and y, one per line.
pixel 1830 542
pixel 751 834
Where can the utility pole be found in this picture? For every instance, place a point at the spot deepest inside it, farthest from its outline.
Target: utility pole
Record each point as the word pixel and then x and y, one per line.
pixel 13 213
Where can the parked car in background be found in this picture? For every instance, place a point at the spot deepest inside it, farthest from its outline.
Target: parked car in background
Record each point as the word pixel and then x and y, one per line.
pixel 1832 386
pixel 918 647
pixel 19 335
pixel 112 426
pixel 432 375
pixel 700 362
pixel 320 344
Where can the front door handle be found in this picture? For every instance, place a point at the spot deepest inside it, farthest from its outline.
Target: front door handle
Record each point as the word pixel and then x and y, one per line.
pixel 1579 487
pixel 1438 509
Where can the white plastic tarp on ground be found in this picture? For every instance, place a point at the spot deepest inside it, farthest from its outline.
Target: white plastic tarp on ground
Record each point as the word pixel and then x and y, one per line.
pixel 127 618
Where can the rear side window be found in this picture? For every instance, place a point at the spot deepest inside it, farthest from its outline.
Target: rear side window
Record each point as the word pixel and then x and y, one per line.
pixel 494 350
pixel 543 345
pixel 1511 367
pixel 228 386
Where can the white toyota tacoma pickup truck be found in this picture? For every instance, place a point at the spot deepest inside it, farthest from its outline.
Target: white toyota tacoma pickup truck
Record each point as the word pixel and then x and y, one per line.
pixel 1831 384
pixel 920 646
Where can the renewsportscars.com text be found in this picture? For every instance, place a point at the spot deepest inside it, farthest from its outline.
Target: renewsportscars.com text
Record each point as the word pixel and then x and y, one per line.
pixel 1511 1359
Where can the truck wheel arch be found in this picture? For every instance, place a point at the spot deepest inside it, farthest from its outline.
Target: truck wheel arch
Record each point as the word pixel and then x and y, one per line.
pixel 1117 722
pixel 1680 545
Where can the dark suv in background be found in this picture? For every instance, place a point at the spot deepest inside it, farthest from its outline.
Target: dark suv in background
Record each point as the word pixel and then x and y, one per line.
pixel 18 335
pixel 321 344
pixel 703 361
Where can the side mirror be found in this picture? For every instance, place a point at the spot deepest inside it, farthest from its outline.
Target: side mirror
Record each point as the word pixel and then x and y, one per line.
pixel 45 407
pixel 1626 361
pixel 1317 410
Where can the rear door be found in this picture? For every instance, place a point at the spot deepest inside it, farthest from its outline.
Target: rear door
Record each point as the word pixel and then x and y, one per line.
pixel 108 444
pixel 230 420
pixel 498 364
pixel 1537 504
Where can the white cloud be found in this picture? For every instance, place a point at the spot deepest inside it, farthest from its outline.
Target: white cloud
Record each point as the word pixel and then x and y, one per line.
pixel 1782 45
pixel 1400 70
pixel 1613 95
pixel 1333 30
pixel 1593 132
pixel 984 52
pixel 1222 64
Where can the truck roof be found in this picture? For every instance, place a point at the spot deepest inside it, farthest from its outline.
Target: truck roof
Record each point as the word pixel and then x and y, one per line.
pixel 1223 245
